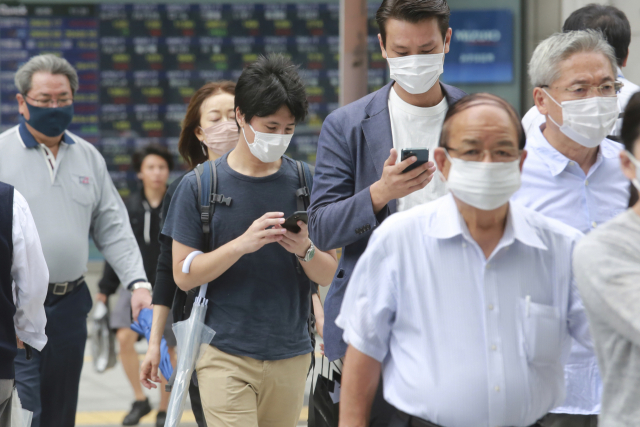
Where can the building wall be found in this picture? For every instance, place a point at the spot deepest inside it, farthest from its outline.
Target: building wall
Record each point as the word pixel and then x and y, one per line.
pixel 544 17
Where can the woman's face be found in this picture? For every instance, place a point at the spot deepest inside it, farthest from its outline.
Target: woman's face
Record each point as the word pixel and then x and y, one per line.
pixel 215 109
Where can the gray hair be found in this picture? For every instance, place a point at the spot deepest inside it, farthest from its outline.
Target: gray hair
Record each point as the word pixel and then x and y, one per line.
pixel 48 63
pixel 544 67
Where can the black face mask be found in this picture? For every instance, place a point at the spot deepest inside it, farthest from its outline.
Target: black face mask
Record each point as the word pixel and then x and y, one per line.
pixel 50 121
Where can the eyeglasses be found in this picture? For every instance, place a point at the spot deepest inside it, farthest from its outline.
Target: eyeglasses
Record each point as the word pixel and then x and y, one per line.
pixel 579 91
pixel 50 103
pixel 498 155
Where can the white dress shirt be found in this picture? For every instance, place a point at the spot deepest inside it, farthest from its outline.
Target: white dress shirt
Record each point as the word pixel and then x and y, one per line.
pixel 417 127
pixel 533 119
pixel 465 340
pixel 558 188
pixel 30 276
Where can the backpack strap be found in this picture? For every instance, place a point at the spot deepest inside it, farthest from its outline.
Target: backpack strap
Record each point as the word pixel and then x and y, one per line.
pixel 207 179
pixel 303 194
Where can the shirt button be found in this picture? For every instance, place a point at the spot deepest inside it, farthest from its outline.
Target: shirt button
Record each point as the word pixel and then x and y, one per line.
pixel 496 388
pixel 490 307
pixel 464 244
pixel 586 182
pixel 494 348
pixel 594 224
pixel 572 163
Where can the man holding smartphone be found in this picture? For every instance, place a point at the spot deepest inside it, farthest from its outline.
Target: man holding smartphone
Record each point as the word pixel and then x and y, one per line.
pixel 359 177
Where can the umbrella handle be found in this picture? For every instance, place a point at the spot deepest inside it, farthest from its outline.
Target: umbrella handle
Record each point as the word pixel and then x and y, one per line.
pixel 185 269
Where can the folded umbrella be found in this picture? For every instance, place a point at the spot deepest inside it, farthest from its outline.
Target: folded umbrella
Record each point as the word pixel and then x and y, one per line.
pixel 103 345
pixel 143 327
pixel 190 335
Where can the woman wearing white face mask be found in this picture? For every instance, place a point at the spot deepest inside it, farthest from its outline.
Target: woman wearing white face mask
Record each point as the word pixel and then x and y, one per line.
pixel 607 269
pixel 259 273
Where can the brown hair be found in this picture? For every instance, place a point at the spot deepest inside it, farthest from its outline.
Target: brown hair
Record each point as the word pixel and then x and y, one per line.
pixel 189 145
pixel 482 99
pixel 413 11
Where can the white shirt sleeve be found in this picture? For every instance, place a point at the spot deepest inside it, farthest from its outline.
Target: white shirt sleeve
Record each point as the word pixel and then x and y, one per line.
pixel 369 307
pixel 30 276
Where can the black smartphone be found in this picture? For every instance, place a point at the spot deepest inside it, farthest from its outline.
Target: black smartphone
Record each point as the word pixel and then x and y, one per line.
pixel 291 223
pixel 421 153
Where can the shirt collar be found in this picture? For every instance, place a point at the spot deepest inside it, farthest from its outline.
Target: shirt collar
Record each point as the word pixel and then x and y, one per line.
pixel 448 223
pixel 620 73
pixel 556 161
pixel 30 142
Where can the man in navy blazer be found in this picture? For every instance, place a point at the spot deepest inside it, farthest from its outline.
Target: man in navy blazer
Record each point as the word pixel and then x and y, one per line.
pixel 358 181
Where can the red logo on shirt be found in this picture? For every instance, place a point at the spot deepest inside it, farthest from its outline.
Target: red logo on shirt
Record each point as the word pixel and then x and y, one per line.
pixel 84 180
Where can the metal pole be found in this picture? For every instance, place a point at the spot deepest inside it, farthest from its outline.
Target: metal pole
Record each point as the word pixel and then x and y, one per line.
pixel 353 50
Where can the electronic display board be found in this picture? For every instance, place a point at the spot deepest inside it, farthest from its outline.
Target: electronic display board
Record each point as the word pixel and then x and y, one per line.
pixel 139 64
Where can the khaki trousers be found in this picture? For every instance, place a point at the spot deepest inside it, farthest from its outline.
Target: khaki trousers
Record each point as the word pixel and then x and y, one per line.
pixel 239 391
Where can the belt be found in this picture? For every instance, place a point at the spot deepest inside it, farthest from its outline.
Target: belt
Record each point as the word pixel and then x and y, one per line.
pixel 64 288
pixel 414 421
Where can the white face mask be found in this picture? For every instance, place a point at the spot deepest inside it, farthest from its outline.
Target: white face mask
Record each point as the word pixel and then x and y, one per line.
pixel 268 147
pixel 483 185
pixel 416 73
pixel 588 121
pixel 635 181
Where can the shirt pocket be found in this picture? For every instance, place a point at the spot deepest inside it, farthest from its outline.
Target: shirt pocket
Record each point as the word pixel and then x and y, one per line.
pixel 82 189
pixel 541 332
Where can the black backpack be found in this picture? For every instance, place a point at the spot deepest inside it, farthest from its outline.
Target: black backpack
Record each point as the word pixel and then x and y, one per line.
pixel 207 179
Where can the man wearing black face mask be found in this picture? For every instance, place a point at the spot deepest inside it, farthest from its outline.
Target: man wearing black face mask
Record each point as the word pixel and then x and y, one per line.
pixel 65 181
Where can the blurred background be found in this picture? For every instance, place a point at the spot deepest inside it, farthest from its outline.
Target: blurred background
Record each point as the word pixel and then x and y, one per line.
pixel 139 62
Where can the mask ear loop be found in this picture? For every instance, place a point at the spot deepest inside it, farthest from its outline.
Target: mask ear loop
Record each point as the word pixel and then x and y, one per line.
pixel 558 104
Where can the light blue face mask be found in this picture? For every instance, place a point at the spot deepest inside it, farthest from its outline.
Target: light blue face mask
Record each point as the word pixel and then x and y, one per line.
pixel 50 121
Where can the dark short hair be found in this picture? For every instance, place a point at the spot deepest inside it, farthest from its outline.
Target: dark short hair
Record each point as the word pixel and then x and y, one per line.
pixel 189 145
pixel 158 150
pixel 612 23
pixel 413 11
pixel 482 99
pixel 269 83
pixel 630 131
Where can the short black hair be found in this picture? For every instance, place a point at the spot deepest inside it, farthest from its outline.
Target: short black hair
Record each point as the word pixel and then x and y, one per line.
pixel 475 99
pixel 413 11
pixel 139 156
pixel 269 83
pixel 612 23
pixel 630 131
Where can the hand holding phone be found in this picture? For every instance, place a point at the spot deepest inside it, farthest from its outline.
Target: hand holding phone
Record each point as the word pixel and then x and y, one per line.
pixel 422 155
pixel 291 223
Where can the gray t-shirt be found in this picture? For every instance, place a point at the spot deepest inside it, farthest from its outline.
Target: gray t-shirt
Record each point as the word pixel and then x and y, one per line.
pixel 259 307
pixel 607 270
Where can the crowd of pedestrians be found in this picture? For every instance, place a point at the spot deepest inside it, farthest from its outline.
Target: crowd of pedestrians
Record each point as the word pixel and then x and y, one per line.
pixel 466 293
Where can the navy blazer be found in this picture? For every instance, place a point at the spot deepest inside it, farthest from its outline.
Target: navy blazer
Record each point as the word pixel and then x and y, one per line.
pixel 354 144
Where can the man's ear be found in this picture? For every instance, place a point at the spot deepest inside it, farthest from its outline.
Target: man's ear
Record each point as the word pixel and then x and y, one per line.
pixel 523 156
pixel 447 40
pixel 628 168
pixel 382 49
pixel 540 100
pixel 139 175
pixel 441 160
pixel 239 117
pixel 22 106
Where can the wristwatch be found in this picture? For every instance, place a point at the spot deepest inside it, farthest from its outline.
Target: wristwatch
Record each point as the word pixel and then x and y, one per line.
pixel 142 285
pixel 309 255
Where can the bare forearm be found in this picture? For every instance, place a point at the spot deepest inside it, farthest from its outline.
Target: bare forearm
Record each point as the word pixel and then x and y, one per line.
pixel 160 315
pixel 204 267
pixel 361 375
pixel 322 267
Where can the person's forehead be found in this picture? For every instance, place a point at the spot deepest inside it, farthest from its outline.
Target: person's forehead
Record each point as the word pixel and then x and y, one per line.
pixel 412 33
pixel 587 67
pixel 283 115
pixel 483 122
pixel 218 101
pixel 42 80
pixel 153 159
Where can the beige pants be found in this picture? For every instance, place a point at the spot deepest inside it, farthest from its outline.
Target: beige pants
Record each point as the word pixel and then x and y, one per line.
pixel 239 391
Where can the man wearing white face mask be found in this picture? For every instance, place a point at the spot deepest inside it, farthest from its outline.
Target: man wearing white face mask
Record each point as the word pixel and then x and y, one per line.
pixel 572 173
pixel 259 273
pixel 359 179
pixel 466 304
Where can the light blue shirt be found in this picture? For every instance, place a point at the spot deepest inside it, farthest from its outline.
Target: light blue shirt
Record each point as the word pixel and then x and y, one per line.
pixel 465 340
pixel 558 188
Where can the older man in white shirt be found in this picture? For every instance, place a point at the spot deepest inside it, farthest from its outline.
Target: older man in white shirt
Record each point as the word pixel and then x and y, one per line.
pixel 613 23
pixel 467 304
pixel 573 173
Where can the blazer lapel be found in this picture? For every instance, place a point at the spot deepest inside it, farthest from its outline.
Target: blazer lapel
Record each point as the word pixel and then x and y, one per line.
pixel 377 132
